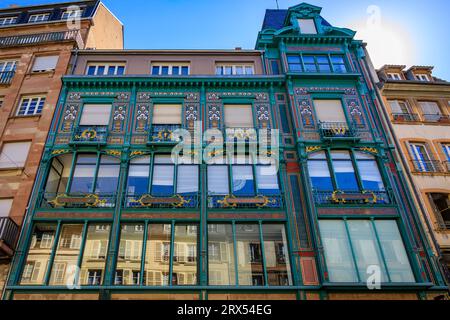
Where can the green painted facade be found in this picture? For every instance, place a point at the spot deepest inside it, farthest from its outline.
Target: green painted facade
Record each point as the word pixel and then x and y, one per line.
pixel 287 97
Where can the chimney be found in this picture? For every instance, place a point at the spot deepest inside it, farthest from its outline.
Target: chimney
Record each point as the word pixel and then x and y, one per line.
pixel 238 48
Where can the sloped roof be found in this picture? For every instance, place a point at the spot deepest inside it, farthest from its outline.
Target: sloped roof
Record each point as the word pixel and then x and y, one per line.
pixel 274 19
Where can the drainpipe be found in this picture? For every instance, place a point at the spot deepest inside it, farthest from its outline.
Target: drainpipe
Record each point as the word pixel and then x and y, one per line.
pixel 408 174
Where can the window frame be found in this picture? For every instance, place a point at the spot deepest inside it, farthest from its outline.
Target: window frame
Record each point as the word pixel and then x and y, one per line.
pixel 41 99
pixel 170 66
pixel 315 56
pixel 8 21
pixel 245 66
pixel 107 66
pixel 39 17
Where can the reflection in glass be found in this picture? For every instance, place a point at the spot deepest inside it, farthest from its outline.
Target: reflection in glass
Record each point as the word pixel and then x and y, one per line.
pixel 94 256
pixel 128 270
pixel 108 175
pixel 66 258
pixel 38 255
pixel 394 251
pixel 157 256
pixel 337 251
pixel 250 268
pixel 84 173
pixel 344 171
pixel 365 248
pixel 276 257
pixel 185 255
pixel 221 267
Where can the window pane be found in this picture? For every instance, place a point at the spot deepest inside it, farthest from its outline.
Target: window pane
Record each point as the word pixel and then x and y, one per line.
pixel 307 26
pixel 162 183
pixel 157 256
pixel 166 114
pixel 185 71
pixel 83 175
pixel 155 70
pixel 267 180
pixel 138 175
pixel 14 154
pixel 276 255
pixel 320 175
pixel 94 256
pixel 108 175
pixel 128 269
pixel 164 70
pixel 218 180
pixel 120 70
pixel 221 267
pixel 344 172
pixel 187 180
pixel 185 255
pixel 394 251
pixel 250 268
pixel 238 116
pixel 38 255
pixel 66 257
pixel 338 255
pixel 293 59
pixel 175 70
pixel 365 248
pixel 370 175
pixel 329 110
pixel 95 115
pixel 243 180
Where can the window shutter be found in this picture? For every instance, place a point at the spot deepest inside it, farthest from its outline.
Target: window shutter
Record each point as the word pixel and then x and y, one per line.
pixel 36 270
pixel 14 154
pixel 5 207
pixel 329 110
pixel 158 251
pixel 47 63
pixel 238 116
pixel 430 108
pixel 395 106
pixel 166 114
pixel 95 115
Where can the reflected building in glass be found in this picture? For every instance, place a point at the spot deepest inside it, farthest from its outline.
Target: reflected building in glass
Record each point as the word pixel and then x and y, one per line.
pixel 114 217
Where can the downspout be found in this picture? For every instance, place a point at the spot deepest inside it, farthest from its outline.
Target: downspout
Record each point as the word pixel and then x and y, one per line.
pixel 408 174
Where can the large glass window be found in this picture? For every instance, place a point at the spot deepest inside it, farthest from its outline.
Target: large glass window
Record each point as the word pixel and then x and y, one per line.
pixel 344 171
pixel 138 176
pixel 243 179
pixel 319 172
pixel 369 172
pixel 354 248
pixel 258 263
pixel 185 255
pixel 157 257
pixel 128 269
pixel 317 63
pixel 38 256
pixel 163 176
pixel 218 182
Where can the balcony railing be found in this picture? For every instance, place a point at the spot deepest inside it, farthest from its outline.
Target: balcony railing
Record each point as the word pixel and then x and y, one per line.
pixel 405 117
pixel 6 77
pixel 241 202
pixel 241 135
pixel 447 165
pixel 90 135
pixel 336 130
pixel 37 38
pixel 78 200
pixel 438 118
pixel 9 231
pixel 163 133
pixel 149 201
pixel 428 166
pixel 351 197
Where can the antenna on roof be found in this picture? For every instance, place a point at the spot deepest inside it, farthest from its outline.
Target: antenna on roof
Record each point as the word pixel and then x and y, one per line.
pixel 278 7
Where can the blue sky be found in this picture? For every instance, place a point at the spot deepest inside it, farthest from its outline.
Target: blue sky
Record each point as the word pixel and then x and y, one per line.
pixel 404 32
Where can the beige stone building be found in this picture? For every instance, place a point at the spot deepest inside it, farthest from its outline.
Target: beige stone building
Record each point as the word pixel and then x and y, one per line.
pixel 418 106
pixel 36 43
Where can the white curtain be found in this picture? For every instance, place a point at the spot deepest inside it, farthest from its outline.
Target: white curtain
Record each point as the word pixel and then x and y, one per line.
pixel 187 180
pixel 95 115
pixel 166 114
pixel 45 63
pixel 329 110
pixel 14 154
pixel 238 116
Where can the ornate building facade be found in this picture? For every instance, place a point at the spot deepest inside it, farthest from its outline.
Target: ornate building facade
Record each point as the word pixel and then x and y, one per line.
pixel 417 105
pixel 113 217
pixel 36 45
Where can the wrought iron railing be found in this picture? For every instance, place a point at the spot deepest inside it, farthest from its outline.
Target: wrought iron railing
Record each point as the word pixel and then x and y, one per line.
pixel 406 117
pixel 37 38
pixel 447 165
pixel 163 133
pixel 442 118
pixel 90 135
pixel 250 202
pixel 77 200
pixel 351 197
pixel 6 77
pixel 428 166
pixel 9 231
pixel 336 130
pixel 161 202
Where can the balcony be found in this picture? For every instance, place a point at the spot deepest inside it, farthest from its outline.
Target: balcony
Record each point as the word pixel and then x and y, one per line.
pixel 90 135
pixel 251 202
pixel 77 200
pixel 39 38
pixel 137 201
pixel 9 232
pixel 424 166
pixel 6 77
pixel 351 197
pixel 405 117
pixel 436 118
pixel 337 130
pixel 163 134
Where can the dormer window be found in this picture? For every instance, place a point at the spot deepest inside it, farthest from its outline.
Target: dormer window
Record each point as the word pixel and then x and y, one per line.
pixel 394 76
pixel 422 77
pixel 39 17
pixel 8 21
pixel 307 26
pixel 71 14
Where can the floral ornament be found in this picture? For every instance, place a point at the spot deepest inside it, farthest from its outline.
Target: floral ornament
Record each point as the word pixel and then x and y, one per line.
pixel 191 96
pixel 356 113
pixel 261 96
pixel 144 96
pixel 213 96
pixel 214 113
pixel 74 96
pixel 119 114
pixel 142 113
pixel 306 112
pixel 262 113
pixel 191 113
pixel 122 96
pixel 71 113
